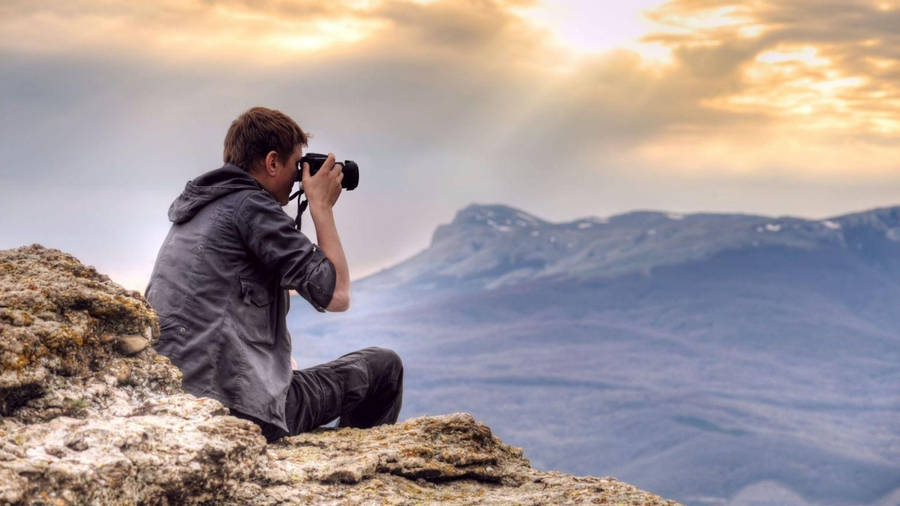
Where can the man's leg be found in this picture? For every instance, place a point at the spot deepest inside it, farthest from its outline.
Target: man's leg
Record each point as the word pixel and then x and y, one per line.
pixel 364 388
pixel 384 397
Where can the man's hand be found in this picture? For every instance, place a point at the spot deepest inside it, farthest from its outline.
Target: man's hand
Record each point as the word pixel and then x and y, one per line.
pixel 324 188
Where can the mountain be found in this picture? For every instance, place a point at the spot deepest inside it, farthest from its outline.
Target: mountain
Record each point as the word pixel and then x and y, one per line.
pixel 488 246
pixel 713 358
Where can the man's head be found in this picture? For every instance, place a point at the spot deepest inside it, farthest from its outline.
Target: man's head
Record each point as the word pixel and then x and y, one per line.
pixel 267 144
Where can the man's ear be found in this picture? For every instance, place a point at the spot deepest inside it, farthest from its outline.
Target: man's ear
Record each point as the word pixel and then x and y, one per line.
pixel 270 167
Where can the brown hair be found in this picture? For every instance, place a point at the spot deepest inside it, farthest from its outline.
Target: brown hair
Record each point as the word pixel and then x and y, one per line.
pixel 260 130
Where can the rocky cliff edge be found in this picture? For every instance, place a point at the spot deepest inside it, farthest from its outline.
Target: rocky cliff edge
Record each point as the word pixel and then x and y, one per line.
pixel 91 414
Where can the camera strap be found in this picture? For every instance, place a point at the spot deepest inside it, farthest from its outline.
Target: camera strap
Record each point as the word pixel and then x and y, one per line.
pixel 301 206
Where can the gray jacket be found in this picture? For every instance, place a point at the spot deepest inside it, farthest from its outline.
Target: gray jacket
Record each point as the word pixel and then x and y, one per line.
pixel 220 288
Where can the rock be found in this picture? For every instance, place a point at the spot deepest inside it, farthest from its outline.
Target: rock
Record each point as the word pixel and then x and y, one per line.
pixel 92 415
pixel 129 345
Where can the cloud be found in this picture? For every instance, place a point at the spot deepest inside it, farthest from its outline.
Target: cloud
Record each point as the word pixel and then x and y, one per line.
pixel 814 67
pixel 820 72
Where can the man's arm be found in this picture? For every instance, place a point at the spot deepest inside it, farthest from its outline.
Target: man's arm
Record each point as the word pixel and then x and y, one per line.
pixel 322 191
pixel 271 236
pixel 330 244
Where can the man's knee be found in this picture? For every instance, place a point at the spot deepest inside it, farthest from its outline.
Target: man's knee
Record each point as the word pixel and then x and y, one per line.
pixel 387 358
pixel 386 366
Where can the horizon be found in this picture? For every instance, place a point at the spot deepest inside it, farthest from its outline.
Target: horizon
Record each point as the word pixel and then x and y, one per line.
pixel 667 211
pixel 378 270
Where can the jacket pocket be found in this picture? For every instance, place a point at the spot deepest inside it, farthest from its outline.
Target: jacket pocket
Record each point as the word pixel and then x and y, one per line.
pixel 255 312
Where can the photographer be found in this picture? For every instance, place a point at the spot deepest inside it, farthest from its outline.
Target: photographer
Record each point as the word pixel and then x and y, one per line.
pixel 221 280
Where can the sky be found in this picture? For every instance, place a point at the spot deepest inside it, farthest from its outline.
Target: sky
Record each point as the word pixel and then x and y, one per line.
pixel 564 109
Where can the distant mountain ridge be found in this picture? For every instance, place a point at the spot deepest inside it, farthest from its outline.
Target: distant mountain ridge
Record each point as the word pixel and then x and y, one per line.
pixel 488 246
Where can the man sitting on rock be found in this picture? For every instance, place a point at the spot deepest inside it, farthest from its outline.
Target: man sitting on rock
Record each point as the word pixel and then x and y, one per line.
pixel 221 280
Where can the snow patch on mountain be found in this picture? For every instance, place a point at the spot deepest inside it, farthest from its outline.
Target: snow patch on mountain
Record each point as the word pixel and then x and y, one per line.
pixel 503 228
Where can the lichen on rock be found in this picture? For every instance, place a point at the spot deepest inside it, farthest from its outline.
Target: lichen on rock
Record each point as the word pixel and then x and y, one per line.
pixel 91 414
pixel 60 326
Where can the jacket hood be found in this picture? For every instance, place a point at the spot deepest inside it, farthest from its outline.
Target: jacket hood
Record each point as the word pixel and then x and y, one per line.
pixel 208 187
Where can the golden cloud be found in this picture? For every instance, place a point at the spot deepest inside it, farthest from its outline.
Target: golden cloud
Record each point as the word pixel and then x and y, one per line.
pixel 745 86
pixel 816 83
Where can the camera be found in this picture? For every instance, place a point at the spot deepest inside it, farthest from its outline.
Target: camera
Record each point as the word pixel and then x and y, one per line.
pixel 315 161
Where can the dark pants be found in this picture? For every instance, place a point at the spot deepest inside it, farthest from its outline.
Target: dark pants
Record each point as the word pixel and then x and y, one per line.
pixel 364 388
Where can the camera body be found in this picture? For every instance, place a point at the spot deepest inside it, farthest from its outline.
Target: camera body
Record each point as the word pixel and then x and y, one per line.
pixel 315 161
